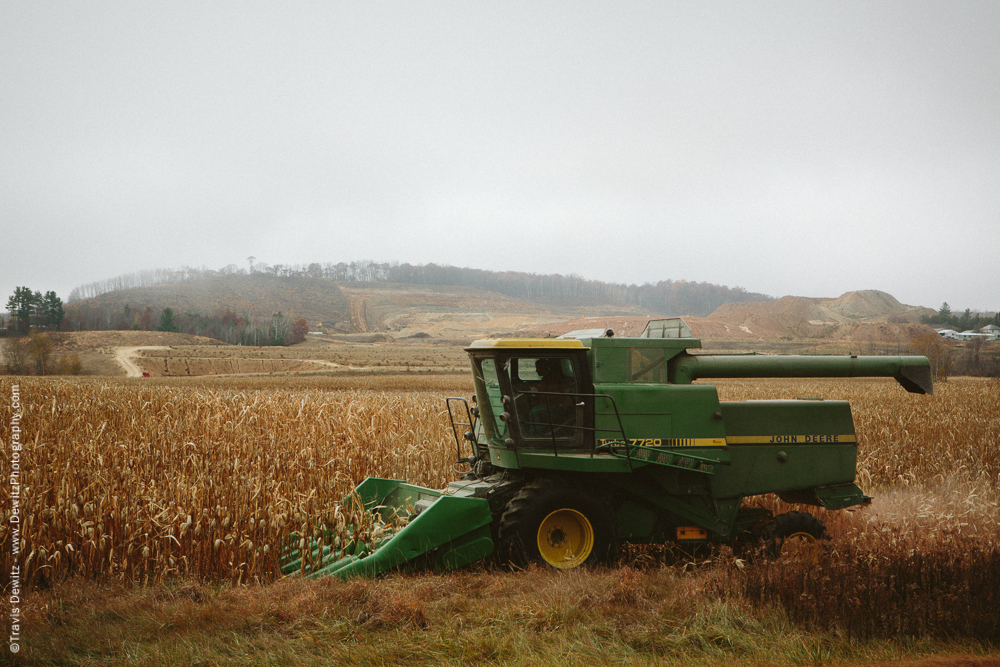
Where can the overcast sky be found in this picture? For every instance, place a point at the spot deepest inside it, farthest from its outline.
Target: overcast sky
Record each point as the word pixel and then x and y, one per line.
pixel 806 148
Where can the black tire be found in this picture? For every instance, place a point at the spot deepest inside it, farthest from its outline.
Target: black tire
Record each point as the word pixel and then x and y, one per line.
pixel 791 525
pixel 550 522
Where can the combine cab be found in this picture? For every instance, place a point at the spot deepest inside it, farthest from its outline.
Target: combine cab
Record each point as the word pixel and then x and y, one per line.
pixel 577 444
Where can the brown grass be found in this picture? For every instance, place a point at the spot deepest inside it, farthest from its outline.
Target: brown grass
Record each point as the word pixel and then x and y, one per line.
pixel 620 616
pixel 918 563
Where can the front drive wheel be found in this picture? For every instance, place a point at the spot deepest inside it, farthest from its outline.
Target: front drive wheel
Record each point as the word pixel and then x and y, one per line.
pixel 794 533
pixel 552 523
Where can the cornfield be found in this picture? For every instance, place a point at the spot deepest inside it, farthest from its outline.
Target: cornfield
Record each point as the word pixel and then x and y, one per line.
pixel 140 481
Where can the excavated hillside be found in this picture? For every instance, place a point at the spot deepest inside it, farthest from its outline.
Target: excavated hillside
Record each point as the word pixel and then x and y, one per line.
pixel 439 311
pixel 861 315
pixel 849 308
pixel 867 316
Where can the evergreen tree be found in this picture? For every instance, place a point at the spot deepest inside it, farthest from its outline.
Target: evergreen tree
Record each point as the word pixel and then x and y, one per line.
pixel 965 321
pixel 22 305
pixel 54 313
pixel 167 322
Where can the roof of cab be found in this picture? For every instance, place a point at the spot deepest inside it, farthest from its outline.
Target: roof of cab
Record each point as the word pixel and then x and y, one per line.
pixel 523 343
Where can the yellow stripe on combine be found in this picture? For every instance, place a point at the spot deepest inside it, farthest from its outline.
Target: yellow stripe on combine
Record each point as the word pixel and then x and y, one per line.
pixel 817 439
pixel 694 442
pixel 668 442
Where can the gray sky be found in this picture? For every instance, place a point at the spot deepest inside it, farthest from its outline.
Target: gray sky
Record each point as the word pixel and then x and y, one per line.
pixel 807 148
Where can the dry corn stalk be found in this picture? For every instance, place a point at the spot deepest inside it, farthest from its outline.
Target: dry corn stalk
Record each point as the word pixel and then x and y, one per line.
pixel 139 481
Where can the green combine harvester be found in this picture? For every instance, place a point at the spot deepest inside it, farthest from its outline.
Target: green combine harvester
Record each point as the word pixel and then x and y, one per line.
pixel 579 443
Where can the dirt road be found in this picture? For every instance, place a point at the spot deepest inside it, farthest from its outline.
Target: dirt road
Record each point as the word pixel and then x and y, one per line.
pixel 126 356
pixel 358 309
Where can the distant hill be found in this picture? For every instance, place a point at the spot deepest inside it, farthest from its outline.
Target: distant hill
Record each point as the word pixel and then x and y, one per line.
pixel 367 297
pixel 255 296
pixel 454 303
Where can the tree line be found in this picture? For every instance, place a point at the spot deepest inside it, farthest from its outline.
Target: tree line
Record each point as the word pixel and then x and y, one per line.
pixel 145 278
pixel 32 313
pixel 34 353
pixel 664 297
pixel 225 325
pixel 29 308
pixel 964 322
pixel 27 347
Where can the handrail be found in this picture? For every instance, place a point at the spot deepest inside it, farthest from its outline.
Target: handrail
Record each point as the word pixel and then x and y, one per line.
pixel 471 423
pixel 576 397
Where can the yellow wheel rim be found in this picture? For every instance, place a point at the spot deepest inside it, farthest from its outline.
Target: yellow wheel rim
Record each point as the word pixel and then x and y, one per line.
pixel 565 539
pixel 801 545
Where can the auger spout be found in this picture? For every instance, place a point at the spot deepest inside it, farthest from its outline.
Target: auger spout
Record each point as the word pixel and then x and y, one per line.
pixel 913 373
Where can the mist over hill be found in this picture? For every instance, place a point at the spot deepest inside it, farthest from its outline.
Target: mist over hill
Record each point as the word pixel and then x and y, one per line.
pixel 366 296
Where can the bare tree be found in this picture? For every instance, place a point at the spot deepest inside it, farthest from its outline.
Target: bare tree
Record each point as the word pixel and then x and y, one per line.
pixel 15 355
pixel 40 346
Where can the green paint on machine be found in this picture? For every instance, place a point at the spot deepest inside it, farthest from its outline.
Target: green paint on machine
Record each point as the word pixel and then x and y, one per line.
pixel 579 443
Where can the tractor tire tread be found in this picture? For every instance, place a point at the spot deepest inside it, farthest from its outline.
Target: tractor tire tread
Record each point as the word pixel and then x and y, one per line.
pixel 521 518
pixel 790 523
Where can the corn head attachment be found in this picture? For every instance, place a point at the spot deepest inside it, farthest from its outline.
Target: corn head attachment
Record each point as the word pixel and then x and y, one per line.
pixel 401 525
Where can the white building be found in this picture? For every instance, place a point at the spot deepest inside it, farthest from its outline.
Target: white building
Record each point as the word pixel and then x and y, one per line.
pixel 969 334
pixel 989 332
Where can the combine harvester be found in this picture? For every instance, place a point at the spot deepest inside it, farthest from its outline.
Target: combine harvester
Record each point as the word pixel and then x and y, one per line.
pixel 586 441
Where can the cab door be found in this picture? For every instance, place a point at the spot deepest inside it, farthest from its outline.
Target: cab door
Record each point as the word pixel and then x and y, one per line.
pixel 551 399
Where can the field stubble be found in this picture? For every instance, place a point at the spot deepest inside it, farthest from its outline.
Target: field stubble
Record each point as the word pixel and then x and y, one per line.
pixel 138 481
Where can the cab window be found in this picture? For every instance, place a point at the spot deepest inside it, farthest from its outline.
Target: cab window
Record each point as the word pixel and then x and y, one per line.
pixel 537 382
pixel 492 407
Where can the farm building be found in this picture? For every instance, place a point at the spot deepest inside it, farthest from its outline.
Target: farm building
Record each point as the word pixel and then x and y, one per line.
pixel 991 332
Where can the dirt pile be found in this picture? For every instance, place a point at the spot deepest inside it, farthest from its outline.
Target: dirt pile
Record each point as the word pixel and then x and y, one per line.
pixel 849 308
pixel 868 305
pixel 866 316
